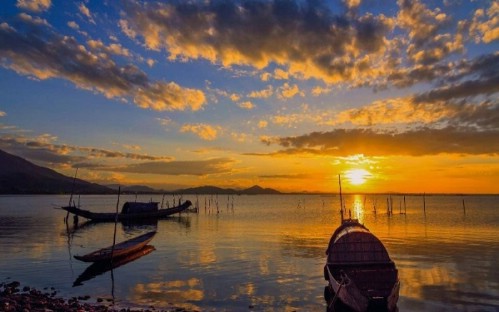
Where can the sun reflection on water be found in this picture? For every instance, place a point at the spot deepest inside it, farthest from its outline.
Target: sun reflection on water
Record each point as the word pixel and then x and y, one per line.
pixel 356 210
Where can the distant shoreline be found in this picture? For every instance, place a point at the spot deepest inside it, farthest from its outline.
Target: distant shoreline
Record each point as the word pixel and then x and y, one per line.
pixel 259 194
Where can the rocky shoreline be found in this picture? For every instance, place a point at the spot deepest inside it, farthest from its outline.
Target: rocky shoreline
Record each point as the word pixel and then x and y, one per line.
pixel 13 298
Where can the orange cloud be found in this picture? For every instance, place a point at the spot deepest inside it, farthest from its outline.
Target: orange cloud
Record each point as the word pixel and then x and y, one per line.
pixel 288 91
pixel 45 54
pixel 418 142
pixel 204 131
pixel 34 5
pixel 246 105
pixel 485 24
pixel 318 46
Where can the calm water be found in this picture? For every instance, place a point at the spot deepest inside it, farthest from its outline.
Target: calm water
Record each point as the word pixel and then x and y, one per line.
pixel 266 252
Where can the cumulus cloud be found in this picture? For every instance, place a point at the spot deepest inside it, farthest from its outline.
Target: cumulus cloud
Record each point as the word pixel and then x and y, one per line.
pixel 26 18
pixel 86 12
pixel 286 120
pixel 287 91
pixel 485 24
pixel 262 94
pixel 34 5
pixel 247 105
pixel 472 78
pixel 305 36
pixel 281 74
pixel 45 54
pixel 204 131
pixel 468 96
pixel 318 90
pixel 428 43
pixel 410 110
pixel 113 48
pixel 240 137
pixel 308 40
pixel 73 25
pixel 352 3
pixel 392 111
pixel 262 124
pixel 418 142
pixel 165 121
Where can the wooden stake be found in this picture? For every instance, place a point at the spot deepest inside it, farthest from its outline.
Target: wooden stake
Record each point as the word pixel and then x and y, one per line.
pixel 341 199
pixel 424 204
pixel 115 223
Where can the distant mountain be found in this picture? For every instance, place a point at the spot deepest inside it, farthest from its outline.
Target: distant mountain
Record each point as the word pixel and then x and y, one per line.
pixel 254 190
pixel 19 176
pixel 207 189
pixel 141 189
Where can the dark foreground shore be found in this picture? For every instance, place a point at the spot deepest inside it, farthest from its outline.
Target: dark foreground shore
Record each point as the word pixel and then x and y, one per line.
pixel 13 298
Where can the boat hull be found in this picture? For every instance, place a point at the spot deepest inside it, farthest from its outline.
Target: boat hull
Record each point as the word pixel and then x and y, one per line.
pixel 98 268
pixel 354 299
pixel 110 217
pixel 119 250
pixel 359 271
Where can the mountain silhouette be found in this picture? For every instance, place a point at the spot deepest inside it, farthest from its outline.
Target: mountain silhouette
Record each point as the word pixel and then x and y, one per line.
pixel 19 176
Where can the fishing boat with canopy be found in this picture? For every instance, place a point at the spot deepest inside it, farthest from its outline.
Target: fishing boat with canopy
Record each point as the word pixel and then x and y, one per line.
pixel 360 274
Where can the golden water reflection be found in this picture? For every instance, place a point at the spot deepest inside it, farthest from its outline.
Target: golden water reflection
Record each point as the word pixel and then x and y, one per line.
pixel 165 293
pixel 270 250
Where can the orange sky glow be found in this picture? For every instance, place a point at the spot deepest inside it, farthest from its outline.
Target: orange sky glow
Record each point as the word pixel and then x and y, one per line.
pixel 397 96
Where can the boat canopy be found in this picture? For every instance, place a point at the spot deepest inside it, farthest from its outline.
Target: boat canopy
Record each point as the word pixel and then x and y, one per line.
pixel 135 207
pixel 356 245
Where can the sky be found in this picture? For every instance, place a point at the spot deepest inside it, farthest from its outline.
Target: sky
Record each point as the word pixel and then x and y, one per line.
pixel 394 96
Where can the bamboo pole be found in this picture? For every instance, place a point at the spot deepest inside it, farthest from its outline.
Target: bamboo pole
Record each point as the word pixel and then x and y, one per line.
pixel 115 223
pixel 424 203
pixel 341 199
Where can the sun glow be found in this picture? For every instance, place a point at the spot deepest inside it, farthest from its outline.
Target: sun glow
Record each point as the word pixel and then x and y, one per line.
pixel 357 176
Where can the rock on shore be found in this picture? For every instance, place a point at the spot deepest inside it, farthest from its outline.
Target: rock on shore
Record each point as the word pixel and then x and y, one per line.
pixel 27 299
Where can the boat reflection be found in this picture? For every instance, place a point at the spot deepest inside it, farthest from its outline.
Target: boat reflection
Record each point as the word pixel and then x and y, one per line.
pixel 339 306
pixel 98 268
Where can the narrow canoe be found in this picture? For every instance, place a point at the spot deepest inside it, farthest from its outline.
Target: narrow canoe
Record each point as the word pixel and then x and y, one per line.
pixel 120 250
pixel 98 268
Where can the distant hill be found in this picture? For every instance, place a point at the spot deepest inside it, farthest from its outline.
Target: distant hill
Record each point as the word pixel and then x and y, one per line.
pixel 140 189
pixel 254 190
pixel 19 176
pixel 207 189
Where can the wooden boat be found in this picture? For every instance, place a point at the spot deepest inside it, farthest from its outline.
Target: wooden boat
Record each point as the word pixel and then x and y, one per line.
pixel 130 211
pixel 360 272
pixel 120 250
pixel 98 268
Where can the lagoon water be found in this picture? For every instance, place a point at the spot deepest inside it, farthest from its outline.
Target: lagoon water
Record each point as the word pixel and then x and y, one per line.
pixel 258 253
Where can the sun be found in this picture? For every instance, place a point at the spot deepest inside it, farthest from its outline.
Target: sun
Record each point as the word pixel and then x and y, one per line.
pixel 357 176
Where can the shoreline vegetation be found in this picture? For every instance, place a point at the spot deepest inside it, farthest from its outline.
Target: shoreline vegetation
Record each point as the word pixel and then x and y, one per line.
pixel 13 298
